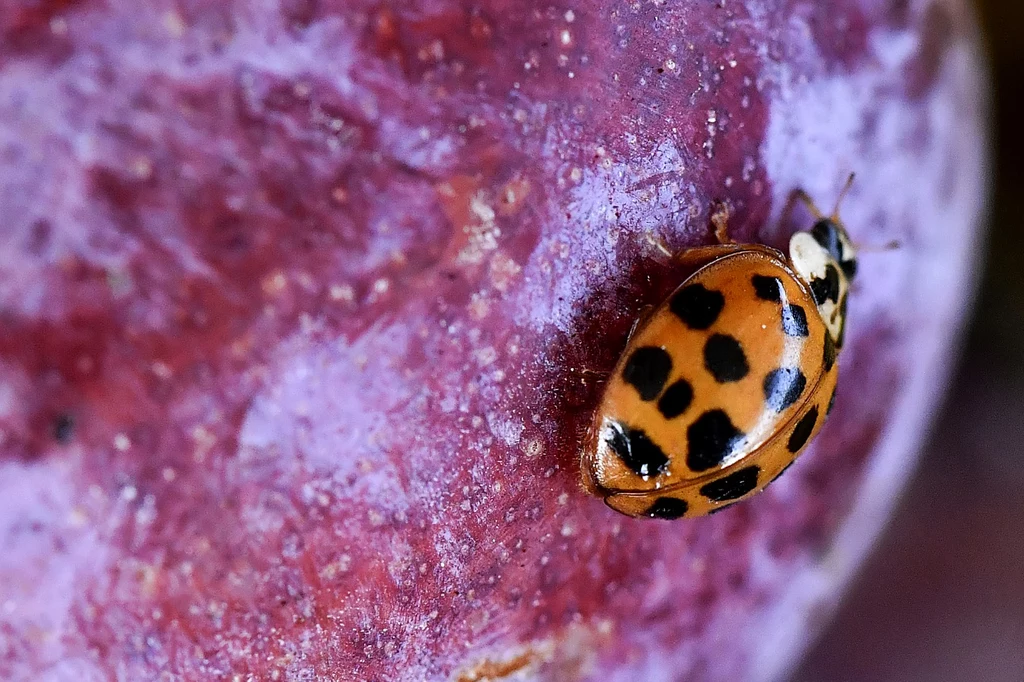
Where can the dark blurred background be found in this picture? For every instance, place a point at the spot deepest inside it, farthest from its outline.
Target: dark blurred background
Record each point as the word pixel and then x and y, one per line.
pixel 942 597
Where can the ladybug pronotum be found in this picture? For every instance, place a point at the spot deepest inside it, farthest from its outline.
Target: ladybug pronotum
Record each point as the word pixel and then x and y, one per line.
pixel 723 385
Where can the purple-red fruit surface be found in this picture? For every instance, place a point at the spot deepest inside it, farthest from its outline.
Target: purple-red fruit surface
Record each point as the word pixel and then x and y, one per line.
pixel 304 308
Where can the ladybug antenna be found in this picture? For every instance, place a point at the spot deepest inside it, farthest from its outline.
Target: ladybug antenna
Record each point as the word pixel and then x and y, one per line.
pixel 842 195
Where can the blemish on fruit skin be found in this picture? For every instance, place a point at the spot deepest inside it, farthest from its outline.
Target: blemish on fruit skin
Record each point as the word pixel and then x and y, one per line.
pixel 488 670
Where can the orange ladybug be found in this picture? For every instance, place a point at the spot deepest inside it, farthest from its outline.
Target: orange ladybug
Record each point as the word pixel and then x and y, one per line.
pixel 722 386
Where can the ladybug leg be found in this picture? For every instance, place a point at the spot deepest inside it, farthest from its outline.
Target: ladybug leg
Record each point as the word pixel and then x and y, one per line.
pixel 720 227
pixel 658 244
pixel 698 255
pixel 702 255
pixel 641 320
pixel 720 222
pixel 584 373
pixel 805 199
pixel 890 245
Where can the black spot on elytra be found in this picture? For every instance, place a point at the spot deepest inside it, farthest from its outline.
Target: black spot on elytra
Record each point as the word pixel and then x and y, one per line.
pixel 647 371
pixel 733 486
pixel 826 233
pixel 637 451
pixel 676 399
pixel 802 431
pixel 724 358
pixel 63 428
pixel 794 321
pixel 826 288
pixel 849 267
pixel 842 322
pixel 783 386
pixel 767 288
pixel 828 358
pixel 697 306
pixel 832 401
pixel 710 439
pixel 667 508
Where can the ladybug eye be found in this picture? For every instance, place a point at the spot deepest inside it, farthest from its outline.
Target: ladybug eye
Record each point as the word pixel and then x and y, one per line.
pixel 826 233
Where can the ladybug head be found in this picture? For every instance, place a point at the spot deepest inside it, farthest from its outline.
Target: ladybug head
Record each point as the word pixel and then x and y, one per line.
pixel 832 237
pixel 825 259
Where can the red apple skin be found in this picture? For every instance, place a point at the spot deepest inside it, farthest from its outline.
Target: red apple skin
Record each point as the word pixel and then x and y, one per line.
pixel 305 307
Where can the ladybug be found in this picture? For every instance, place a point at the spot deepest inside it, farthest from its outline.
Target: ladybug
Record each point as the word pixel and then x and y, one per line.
pixel 722 386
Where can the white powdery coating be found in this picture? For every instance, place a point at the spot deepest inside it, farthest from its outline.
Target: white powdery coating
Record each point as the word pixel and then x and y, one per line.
pixel 609 204
pixel 343 380
pixel 37 584
pixel 52 122
pixel 812 110
pixel 944 186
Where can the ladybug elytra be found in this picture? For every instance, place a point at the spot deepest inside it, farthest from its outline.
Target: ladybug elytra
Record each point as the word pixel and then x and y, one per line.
pixel 722 386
